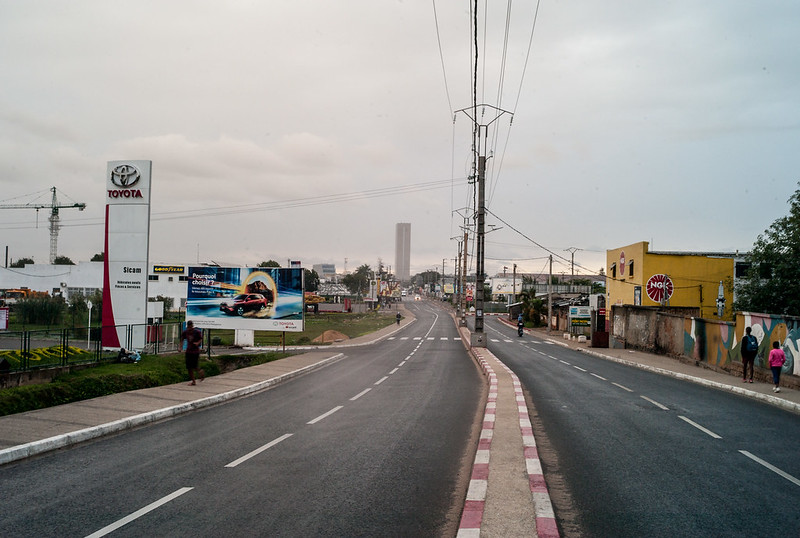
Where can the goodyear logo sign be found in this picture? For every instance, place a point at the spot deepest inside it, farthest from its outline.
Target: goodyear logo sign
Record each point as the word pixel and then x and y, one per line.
pixel 174 269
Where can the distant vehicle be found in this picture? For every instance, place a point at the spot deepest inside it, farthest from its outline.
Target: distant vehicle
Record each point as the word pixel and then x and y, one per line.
pixel 403 293
pixel 417 298
pixel 12 296
pixel 246 302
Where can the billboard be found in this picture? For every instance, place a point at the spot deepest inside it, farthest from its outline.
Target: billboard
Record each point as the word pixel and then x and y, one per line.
pixel 127 240
pixel 250 298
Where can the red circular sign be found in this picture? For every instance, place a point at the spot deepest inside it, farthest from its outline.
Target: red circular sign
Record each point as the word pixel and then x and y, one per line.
pixel 658 286
pixel 622 263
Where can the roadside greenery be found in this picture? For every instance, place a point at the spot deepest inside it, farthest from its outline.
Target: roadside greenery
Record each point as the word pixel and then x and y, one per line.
pixel 772 283
pixel 150 371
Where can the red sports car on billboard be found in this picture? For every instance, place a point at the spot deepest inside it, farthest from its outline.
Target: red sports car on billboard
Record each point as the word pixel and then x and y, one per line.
pixel 246 302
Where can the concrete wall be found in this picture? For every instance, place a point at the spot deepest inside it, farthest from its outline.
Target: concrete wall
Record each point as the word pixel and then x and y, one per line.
pixel 717 344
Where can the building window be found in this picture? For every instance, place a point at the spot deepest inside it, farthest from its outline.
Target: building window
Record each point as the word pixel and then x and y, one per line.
pixel 613 270
pixel 630 268
pixel 741 269
pixel 170 279
pixel 183 278
pixel 152 277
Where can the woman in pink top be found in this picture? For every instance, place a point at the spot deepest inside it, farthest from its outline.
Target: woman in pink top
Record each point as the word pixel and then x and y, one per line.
pixel 776 360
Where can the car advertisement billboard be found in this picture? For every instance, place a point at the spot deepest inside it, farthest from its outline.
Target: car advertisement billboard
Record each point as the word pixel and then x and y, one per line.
pixel 251 298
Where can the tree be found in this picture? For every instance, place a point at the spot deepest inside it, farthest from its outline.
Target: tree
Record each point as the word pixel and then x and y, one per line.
pixel 311 280
pixel 358 281
pixel 270 263
pixel 99 257
pixel 772 283
pixel 62 260
pixel 20 263
pixel 41 310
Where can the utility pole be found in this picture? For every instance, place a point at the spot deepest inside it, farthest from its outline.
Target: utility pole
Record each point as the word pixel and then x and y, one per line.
pixel 572 251
pixel 464 282
pixel 550 296
pixel 481 135
pixel 514 280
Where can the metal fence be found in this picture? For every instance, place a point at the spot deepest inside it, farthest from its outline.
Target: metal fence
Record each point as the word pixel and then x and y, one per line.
pixel 31 350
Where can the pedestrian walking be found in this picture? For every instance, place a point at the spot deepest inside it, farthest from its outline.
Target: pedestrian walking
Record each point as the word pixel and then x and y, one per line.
pixel 749 352
pixel 398 317
pixel 193 339
pixel 776 359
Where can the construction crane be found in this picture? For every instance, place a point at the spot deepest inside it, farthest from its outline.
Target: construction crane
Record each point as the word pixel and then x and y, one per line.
pixel 54 206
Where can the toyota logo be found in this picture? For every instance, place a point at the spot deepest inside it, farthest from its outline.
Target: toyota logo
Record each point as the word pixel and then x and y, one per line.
pixel 125 176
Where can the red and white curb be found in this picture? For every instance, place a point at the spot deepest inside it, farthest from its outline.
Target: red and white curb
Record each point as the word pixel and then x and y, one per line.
pixel 543 508
pixel 472 515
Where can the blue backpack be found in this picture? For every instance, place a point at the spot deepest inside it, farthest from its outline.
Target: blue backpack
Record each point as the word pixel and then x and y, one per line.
pixel 751 344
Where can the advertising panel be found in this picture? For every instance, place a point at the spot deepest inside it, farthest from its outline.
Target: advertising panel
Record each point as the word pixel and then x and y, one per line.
pixel 127 239
pixel 505 286
pixel 580 316
pixel 250 298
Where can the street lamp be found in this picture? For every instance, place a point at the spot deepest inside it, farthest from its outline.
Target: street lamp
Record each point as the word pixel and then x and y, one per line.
pixel 89 326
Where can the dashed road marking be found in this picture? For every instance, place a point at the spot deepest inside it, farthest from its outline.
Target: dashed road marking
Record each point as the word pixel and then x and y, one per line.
pixel 699 427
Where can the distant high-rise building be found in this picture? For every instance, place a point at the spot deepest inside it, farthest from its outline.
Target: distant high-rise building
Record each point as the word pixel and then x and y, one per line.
pixel 402 251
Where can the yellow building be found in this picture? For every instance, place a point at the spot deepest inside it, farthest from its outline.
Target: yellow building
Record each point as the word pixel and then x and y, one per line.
pixel 639 277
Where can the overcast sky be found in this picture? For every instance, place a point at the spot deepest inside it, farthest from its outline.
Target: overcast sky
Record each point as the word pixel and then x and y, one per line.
pixel 306 129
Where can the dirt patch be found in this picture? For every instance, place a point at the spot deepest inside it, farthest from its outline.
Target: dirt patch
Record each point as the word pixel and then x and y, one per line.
pixel 330 336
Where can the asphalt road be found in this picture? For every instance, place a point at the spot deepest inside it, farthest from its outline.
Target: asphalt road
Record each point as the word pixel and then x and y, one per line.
pixel 375 444
pixel 633 453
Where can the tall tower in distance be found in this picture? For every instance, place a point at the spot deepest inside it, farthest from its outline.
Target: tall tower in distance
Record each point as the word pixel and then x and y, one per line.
pixel 402 251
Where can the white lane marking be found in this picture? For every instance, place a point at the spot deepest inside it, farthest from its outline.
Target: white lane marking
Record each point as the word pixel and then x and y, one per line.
pixel 404 338
pixel 391 338
pixel 139 513
pixel 360 394
pixel 623 387
pixel 563 362
pixel 662 406
pixel 600 377
pixel 578 368
pixel 393 371
pixel 259 450
pixel 771 467
pixel 325 415
pixel 381 380
pixel 495 340
pixel 417 338
pixel 402 363
pixel 554 358
pixel 431 338
pixel 699 427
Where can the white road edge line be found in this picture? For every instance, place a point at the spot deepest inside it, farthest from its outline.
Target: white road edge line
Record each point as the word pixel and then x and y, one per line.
pixel 139 513
pixel 771 467
pixel 662 406
pixel 360 394
pixel 623 387
pixel 699 427
pixel 325 415
pixel 259 450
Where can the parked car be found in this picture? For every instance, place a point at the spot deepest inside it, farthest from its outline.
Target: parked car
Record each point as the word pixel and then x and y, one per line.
pixel 246 302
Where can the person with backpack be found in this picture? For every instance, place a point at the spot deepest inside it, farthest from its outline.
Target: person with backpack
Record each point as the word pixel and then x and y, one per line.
pixel 749 352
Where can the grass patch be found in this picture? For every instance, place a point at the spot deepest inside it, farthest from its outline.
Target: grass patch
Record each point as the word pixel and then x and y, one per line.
pixel 353 325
